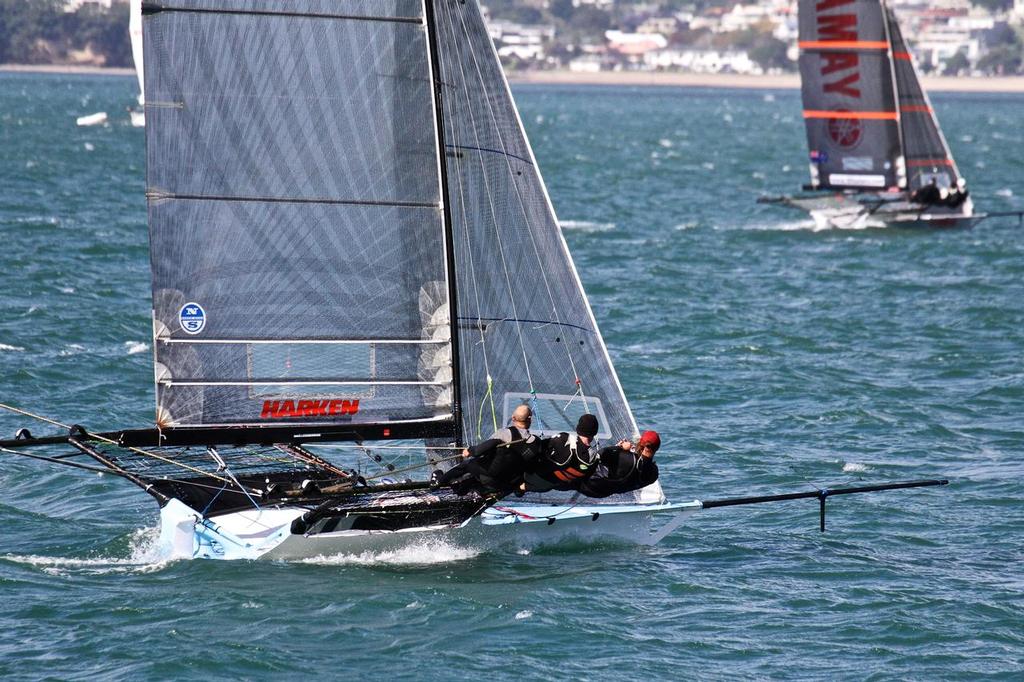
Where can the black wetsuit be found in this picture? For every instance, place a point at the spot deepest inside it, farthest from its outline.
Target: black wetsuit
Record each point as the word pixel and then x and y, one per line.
pixel 619 472
pixel 563 463
pixel 495 466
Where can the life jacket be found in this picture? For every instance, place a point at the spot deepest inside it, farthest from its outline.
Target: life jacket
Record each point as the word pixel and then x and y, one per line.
pixel 562 468
pixel 501 466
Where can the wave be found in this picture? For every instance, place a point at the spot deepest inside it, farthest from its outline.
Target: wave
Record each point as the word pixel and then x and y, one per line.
pixel 135 347
pixel 855 467
pixel 586 226
pixel 13 349
pixel 417 554
pixel 144 556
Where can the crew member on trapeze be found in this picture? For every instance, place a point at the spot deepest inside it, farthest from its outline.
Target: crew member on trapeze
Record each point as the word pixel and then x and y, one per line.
pixel 932 194
pixel 565 460
pixel 624 467
pixel 496 465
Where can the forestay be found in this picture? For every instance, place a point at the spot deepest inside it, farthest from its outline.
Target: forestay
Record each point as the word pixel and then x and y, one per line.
pixel 850 114
pixel 299 267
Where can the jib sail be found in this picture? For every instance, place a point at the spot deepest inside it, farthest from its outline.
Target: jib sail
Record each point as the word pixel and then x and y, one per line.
pixel 850 113
pixel 927 155
pixel 295 212
pixel 526 331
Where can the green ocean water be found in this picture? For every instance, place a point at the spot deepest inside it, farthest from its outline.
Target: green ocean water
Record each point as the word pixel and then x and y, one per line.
pixel 771 357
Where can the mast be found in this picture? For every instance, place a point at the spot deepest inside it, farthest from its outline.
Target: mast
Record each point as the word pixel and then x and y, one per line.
pixel 449 241
pixel 901 156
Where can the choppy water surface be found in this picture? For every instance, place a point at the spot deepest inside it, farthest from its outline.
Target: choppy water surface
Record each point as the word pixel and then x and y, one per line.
pixel 770 356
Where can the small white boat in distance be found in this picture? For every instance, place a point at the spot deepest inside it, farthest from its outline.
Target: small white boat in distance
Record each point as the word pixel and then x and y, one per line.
pixel 99 118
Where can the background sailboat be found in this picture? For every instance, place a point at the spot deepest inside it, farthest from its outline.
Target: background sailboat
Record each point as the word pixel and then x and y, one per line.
pixel 877 154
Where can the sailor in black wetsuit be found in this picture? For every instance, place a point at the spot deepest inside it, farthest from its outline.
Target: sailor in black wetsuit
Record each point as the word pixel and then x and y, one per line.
pixel 624 468
pixel 565 460
pixel 496 465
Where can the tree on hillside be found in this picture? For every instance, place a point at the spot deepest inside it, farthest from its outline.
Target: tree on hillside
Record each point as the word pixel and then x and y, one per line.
pixel 105 32
pixel 956 64
pixel 1003 60
pixel 770 53
pixel 27 29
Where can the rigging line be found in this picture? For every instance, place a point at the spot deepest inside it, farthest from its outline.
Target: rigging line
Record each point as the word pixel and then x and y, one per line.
pixel 64 462
pixel 494 219
pixel 96 436
pixel 452 102
pixel 414 467
pixel 519 198
pixel 227 470
pixel 485 149
pixel 386 447
pixel 543 322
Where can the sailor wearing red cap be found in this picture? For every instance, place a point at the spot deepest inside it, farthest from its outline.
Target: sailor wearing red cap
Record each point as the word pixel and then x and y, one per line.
pixel 624 467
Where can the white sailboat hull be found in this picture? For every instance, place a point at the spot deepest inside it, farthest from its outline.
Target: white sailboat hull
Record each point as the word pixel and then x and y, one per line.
pixel 838 212
pixel 266 534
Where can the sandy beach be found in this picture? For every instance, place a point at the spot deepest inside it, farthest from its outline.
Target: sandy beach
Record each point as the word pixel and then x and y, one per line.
pixel 628 78
pixel 67 69
pixel 723 80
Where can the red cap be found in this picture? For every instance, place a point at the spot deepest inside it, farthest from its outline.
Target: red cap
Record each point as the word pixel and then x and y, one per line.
pixel 651 439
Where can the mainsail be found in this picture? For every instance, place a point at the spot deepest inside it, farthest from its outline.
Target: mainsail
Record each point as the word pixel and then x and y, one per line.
pixel 310 239
pixel 927 155
pixel 846 71
pixel 295 210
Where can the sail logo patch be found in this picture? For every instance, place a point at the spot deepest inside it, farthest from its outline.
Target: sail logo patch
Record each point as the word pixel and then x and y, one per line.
pixel 192 318
pixel 284 409
pixel 845 132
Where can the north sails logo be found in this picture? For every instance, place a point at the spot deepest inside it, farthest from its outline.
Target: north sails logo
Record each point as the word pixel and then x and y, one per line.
pixel 283 409
pixel 192 318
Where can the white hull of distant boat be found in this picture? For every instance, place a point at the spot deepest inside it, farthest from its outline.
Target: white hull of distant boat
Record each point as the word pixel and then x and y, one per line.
pixel 99 118
pixel 266 534
pixel 847 214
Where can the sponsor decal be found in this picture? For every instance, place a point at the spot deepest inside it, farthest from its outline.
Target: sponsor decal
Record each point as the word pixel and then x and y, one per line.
pixel 819 156
pixel 286 409
pixel 845 132
pixel 858 163
pixel 192 318
pixel 840 71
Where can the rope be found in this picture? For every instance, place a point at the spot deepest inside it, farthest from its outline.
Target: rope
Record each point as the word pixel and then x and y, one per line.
pixel 494 417
pixel 131 449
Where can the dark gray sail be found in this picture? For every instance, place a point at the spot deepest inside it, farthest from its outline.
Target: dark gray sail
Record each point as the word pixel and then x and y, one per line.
pixel 299 269
pixel 849 101
pixel 526 331
pixel 927 155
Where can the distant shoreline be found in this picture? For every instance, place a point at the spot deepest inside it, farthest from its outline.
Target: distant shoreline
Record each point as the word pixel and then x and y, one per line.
pixel 67 69
pixel 744 82
pixel 790 81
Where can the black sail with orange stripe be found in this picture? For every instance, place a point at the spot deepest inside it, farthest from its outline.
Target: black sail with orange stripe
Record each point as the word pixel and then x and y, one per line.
pixel 849 99
pixel 927 154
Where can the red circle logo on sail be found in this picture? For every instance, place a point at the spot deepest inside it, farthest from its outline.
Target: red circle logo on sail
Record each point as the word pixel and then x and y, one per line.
pixel 845 132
